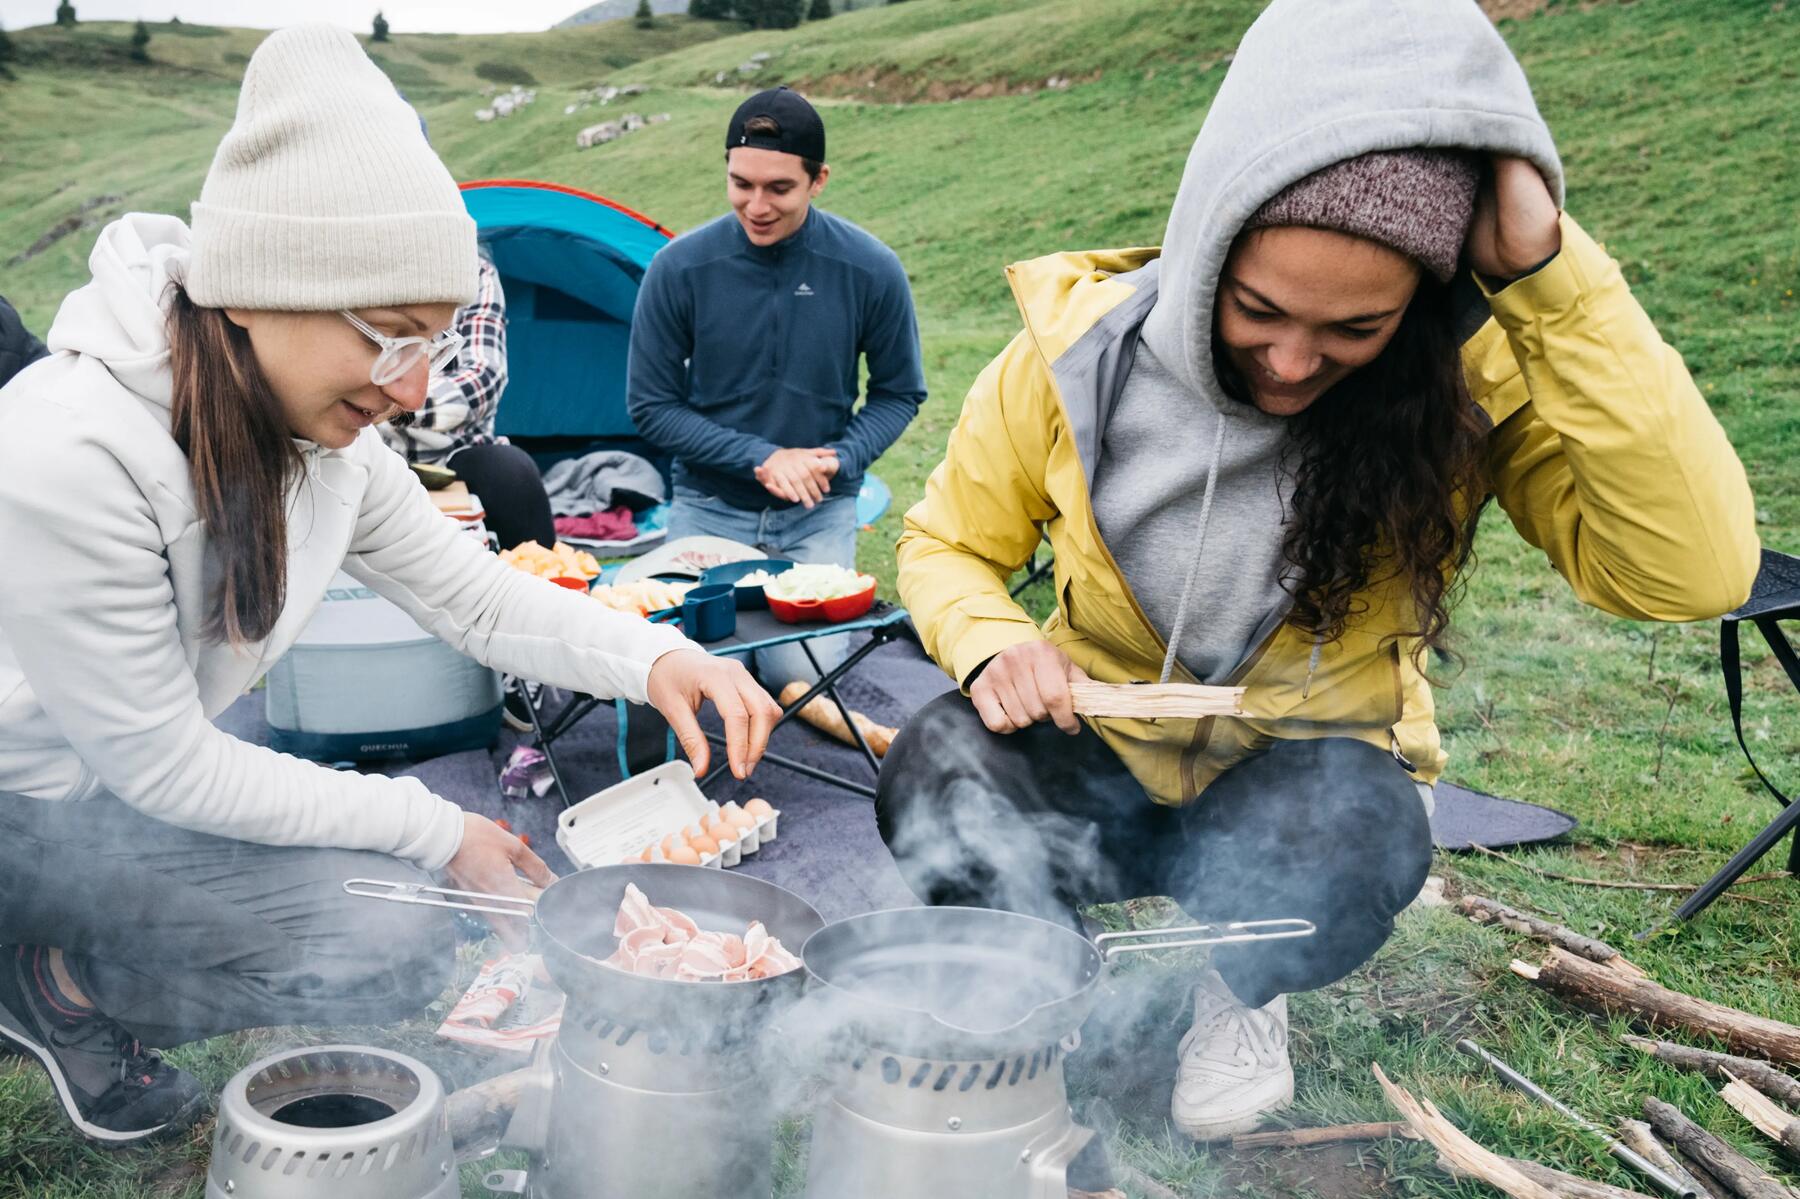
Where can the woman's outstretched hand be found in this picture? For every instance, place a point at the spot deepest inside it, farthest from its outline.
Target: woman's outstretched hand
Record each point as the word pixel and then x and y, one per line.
pixel 1024 684
pixel 683 679
pixel 491 861
pixel 1515 226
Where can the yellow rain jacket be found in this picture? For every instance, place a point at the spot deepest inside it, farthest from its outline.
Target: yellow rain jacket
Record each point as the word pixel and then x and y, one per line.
pixel 1603 454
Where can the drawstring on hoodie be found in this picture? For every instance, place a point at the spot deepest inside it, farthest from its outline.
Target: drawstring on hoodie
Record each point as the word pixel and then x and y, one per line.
pixel 1187 588
pixel 1312 664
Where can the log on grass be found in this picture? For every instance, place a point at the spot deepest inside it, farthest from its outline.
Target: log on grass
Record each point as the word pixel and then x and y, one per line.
pixel 1568 1186
pixel 1597 988
pixel 1336 1134
pixel 478 1114
pixel 1148 701
pixel 1744 1177
pixel 1770 1120
pixel 1783 1088
pixel 1482 909
pixel 1639 1136
pixel 1459 1152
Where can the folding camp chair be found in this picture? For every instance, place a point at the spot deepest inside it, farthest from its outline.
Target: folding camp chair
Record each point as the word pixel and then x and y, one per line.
pixel 1774 597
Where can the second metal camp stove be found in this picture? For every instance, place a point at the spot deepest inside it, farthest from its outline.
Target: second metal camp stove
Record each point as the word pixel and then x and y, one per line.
pixel 954 1026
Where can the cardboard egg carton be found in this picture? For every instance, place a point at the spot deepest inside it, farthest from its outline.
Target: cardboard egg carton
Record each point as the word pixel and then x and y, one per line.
pixel 621 821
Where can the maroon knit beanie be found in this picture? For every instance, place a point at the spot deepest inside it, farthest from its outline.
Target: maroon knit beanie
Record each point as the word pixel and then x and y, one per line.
pixel 1417 201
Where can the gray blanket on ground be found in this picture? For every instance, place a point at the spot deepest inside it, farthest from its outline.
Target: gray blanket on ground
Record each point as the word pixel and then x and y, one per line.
pixel 585 485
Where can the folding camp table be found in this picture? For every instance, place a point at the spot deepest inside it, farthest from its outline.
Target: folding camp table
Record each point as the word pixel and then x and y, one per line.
pixel 756 629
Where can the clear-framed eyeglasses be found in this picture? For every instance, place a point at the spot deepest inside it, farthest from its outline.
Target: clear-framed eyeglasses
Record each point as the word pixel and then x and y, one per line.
pixel 400 354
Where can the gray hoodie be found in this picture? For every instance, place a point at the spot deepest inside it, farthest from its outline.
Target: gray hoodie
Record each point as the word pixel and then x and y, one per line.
pixel 1194 516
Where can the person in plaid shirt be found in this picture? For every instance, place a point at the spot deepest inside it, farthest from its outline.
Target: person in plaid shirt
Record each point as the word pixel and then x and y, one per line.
pixel 455 428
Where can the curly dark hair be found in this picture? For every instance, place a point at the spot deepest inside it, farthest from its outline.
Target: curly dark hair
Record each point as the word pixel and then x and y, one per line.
pixel 1389 479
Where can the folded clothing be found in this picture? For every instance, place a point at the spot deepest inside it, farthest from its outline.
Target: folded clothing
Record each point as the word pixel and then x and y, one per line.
pixel 613 524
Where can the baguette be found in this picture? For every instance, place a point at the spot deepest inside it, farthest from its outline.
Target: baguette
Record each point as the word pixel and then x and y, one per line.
pixel 823 715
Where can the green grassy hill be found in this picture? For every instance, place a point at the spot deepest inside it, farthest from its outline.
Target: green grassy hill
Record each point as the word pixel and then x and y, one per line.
pixel 1677 125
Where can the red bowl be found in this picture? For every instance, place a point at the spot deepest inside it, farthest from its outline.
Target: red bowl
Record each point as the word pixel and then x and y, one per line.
pixel 847 607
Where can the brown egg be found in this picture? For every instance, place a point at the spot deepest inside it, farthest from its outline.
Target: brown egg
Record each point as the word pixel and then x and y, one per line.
pixel 645 856
pixel 759 808
pixel 741 819
pixel 684 855
pixel 671 841
pixel 703 845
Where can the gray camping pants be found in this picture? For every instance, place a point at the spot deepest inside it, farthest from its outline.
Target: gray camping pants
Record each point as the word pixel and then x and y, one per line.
pixel 1328 830
pixel 181 936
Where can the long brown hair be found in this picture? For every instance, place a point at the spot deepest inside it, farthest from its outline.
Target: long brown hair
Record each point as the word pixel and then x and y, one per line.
pixel 1389 475
pixel 228 421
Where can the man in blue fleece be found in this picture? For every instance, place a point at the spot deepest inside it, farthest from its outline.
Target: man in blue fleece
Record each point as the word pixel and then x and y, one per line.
pixel 745 348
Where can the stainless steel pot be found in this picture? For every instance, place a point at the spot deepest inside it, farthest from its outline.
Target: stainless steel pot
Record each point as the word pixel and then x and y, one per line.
pixel 955 982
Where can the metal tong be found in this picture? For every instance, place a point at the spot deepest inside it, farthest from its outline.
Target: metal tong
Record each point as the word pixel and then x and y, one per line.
pixel 1667 1184
pixel 1109 944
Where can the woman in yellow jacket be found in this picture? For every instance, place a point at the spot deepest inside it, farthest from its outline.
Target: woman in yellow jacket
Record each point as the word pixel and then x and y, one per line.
pixel 1259 453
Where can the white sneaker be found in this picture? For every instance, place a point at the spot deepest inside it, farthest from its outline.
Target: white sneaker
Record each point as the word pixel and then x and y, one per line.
pixel 1234 1067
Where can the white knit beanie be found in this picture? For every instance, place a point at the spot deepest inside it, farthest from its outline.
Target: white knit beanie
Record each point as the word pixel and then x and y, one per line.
pixel 324 193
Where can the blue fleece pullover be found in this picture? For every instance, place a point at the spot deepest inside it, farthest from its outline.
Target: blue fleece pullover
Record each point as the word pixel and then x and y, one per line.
pixel 738 350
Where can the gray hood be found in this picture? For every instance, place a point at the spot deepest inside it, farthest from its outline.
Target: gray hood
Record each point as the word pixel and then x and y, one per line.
pixel 1315 82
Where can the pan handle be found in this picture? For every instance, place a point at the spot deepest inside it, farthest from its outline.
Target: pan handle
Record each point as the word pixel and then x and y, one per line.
pixel 1186 936
pixel 419 893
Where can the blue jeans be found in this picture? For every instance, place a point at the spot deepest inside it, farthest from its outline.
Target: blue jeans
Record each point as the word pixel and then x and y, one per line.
pixel 824 534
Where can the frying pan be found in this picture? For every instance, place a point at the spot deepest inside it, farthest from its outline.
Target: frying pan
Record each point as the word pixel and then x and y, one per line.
pixel 572 923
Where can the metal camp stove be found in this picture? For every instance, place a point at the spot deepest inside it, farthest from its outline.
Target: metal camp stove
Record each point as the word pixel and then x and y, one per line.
pixel 652 1088
pixel 961 1019
pixel 345 1121
pixel 898 1125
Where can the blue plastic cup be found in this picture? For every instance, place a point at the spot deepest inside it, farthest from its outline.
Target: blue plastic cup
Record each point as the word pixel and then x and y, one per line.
pixel 709 612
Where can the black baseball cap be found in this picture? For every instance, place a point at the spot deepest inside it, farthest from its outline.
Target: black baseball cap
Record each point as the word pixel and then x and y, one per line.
pixel 802 132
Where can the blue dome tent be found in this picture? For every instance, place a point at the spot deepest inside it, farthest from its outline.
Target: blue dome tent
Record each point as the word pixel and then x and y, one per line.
pixel 570 263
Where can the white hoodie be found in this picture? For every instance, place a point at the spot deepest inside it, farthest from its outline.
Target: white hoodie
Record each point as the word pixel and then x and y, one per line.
pixel 107 683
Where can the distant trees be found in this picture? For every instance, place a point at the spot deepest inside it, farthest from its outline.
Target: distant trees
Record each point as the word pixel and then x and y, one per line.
pixel 65 14
pixel 819 11
pixel 770 14
pixel 758 14
pixel 140 42
pixel 645 19
pixel 7 50
pixel 381 28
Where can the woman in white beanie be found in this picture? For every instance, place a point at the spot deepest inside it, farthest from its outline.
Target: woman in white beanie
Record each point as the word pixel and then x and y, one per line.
pixel 178 484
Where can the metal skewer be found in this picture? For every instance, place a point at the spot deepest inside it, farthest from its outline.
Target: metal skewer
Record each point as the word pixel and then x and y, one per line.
pixel 1623 1152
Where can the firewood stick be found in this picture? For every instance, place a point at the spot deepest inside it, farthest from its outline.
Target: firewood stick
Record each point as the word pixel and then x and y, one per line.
pixel 1639 1138
pixel 1151 700
pixel 1615 884
pixel 1482 909
pixel 1457 1149
pixel 1596 988
pixel 1147 1184
pixel 823 715
pixel 1770 1120
pixel 1744 1177
pixel 1336 1134
pixel 1723 1066
pixel 478 1114
pixel 1568 1186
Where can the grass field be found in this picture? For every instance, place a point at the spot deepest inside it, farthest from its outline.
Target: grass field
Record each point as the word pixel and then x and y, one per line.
pixel 1677 124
